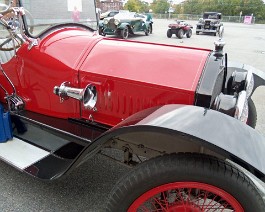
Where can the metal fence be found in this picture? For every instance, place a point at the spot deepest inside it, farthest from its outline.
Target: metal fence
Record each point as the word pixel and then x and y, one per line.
pixel 236 19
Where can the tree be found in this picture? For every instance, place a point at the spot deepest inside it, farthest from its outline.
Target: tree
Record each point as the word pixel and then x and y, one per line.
pixel 160 6
pixel 226 7
pixel 136 6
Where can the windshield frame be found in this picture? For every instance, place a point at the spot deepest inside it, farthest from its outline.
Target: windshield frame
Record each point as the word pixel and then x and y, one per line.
pixel 217 15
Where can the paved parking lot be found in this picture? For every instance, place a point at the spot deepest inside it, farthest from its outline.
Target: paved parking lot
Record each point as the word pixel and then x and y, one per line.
pixel 86 189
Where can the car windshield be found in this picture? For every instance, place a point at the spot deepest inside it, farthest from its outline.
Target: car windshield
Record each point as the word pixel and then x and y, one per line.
pixel 41 15
pixel 210 15
pixel 124 14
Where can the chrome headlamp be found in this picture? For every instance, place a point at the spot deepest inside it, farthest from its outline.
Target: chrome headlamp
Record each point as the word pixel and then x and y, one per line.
pixel 106 21
pixel 225 104
pixel 233 105
pixel 116 22
pixel 241 81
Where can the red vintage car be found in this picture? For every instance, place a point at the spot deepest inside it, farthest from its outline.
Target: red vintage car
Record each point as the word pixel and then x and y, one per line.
pixel 183 117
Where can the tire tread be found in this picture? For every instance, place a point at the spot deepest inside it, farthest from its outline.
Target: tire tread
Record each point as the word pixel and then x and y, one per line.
pixel 160 166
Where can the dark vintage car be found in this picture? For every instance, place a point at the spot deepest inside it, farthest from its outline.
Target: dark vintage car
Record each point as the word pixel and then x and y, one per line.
pixel 110 13
pixel 126 23
pixel 210 23
pixel 180 28
pixel 182 117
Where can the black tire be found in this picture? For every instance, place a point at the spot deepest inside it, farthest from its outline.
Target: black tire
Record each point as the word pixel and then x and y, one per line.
pixel 185 169
pixel 101 31
pixel 197 33
pixel 252 114
pixel 169 33
pixel 125 33
pixel 146 32
pixel 189 33
pixel 214 34
pixel 180 33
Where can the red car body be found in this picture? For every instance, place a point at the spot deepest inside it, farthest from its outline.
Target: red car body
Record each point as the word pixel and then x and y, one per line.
pixel 76 56
pixel 179 114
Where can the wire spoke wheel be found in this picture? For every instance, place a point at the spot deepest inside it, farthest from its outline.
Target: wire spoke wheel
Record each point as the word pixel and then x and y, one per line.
pixel 185 182
pixel 186 196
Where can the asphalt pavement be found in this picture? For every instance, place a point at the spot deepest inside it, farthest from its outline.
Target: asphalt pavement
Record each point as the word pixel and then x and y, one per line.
pixel 86 189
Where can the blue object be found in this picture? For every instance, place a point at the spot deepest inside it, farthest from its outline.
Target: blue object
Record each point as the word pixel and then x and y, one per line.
pixel 6 132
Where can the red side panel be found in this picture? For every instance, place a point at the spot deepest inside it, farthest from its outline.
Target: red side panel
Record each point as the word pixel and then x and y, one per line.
pixel 132 76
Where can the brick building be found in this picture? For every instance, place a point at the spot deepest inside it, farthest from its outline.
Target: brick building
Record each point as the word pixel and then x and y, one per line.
pixel 106 5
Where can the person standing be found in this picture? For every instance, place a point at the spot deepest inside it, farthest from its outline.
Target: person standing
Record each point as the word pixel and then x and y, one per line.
pixel 76 15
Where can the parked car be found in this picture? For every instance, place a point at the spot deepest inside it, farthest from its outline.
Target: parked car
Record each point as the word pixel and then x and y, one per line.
pixel 210 23
pixel 182 117
pixel 127 23
pixel 107 15
pixel 180 28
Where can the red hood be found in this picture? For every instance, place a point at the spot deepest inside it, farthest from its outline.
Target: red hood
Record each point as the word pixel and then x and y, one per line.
pixel 163 65
pixel 119 68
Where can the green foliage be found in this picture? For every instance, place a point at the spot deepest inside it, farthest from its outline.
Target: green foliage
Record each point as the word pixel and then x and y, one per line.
pixel 136 6
pixel 226 7
pixel 160 6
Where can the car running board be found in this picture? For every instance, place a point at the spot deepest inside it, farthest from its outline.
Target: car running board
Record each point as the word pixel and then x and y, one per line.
pixel 46 164
pixel 42 150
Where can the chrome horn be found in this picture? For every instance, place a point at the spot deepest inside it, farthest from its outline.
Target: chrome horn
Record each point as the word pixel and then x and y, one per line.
pixel 88 95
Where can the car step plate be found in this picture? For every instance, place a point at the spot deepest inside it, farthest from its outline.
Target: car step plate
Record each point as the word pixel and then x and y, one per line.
pixel 21 154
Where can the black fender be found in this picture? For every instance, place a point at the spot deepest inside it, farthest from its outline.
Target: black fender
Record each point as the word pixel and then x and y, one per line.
pixel 179 128
pixel 259 76
pixel 220 133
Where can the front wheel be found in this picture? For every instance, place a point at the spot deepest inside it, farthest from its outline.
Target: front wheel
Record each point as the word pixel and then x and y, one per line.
pixel 189 33
pixel 150 28
pixel 146 32
pixel 185 182
pixel 125 33
pixel 169 33
pixel 180 33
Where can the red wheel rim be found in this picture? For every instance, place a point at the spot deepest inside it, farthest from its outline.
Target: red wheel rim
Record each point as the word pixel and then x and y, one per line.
pixel 186 197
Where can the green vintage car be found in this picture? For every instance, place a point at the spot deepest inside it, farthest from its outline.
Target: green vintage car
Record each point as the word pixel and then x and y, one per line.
pixel 126 23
